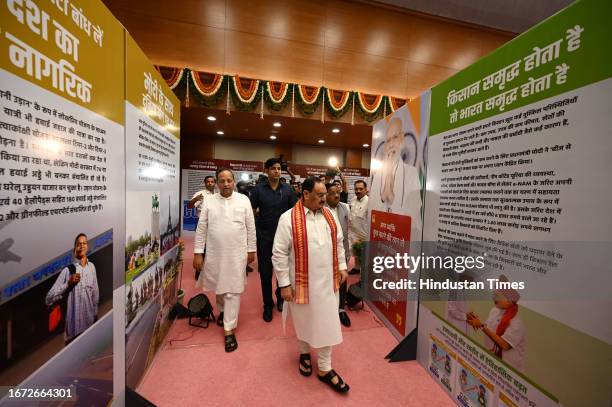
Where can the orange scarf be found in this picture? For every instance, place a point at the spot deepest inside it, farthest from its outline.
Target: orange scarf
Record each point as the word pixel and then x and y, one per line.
pixel 300 248
pixel 504 323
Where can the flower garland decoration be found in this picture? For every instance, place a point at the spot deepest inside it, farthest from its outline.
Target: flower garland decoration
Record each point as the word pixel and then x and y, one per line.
pixel 395 103
pixel 172 76
pixel 209 88
pixel 245 98
pixel 309 98
pixel 250 94
pixel 277 95
pixel 370 106
pixel 338 102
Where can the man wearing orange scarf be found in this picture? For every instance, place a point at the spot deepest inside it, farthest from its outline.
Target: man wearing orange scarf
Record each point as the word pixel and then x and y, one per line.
pixel 309 262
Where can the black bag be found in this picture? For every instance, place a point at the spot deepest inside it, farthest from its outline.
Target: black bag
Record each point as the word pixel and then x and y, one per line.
pixel 200 307
pixel 354 296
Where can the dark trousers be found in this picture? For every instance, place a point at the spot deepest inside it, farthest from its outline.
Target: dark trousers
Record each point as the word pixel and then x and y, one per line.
pixel 343 290
pixel 264 265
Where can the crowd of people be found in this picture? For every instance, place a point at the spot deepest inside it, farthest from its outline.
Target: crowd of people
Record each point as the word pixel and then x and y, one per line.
pixel 302 234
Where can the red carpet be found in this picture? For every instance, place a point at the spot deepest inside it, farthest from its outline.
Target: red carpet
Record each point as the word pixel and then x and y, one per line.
pixel 192 368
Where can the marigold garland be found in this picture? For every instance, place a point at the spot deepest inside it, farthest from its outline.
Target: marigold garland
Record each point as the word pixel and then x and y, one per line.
pixel 277 95
pixel 245 99
pixel 210 89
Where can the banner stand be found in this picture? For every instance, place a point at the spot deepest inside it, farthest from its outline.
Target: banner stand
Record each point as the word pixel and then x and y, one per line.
pixel 406 349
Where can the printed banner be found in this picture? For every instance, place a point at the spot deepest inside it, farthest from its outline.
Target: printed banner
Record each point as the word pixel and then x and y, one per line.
pixel 61 181
pixel 518 169
pixel 152 250
pixel 399 151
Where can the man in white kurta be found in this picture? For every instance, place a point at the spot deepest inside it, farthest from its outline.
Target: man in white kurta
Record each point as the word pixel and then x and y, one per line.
pixel 227 229
pixel 316 322
pixel 358 221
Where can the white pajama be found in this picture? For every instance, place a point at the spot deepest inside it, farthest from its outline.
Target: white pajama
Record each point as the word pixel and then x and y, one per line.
pixel 323 358
pixel 229 304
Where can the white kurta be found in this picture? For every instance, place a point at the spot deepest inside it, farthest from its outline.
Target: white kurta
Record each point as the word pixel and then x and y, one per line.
pixel 515 335
pixel 227 229
pixel 198 205
pixel 317 322
pixel 358 222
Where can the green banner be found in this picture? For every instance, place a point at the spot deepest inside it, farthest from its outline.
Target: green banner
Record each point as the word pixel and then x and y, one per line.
pixel 567 51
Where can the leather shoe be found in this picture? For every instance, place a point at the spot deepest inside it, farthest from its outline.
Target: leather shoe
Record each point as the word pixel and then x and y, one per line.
pixel 267 314
pixel 344 319
pixel 279 304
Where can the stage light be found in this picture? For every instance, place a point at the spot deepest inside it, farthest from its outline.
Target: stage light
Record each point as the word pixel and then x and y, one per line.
pixel 200 307
pixel 333 161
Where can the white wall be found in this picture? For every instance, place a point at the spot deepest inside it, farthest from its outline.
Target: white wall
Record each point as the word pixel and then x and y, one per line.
pixel 242 150
pixel 316 155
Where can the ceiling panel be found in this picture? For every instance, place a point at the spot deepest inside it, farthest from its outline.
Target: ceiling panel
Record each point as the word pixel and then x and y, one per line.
pixel 177 44
pixel 248 126
pixel 364 72
pixel 364 29
pixel 269 58
pixel 292 20
pixel 422 76
pixel 513 16
pixel 209 12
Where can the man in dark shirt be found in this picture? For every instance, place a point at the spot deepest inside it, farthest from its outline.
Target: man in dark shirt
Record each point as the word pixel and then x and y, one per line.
pixel 270 199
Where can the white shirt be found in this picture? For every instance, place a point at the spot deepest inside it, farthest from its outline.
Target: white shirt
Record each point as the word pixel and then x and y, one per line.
pixel 205 192
pixel 515 335
pixel 227 229
pixel 358 222
pixel 317 322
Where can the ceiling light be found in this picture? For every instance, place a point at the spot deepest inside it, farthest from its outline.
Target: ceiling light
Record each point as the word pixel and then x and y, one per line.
pixel 211 118
pixel 220 132
pixel 272 137
pixel 336 131
pixel 366 145
pixel 321 141
pixel 277 124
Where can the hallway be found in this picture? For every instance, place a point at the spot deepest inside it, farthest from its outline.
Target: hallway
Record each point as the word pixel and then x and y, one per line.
pixel 192 368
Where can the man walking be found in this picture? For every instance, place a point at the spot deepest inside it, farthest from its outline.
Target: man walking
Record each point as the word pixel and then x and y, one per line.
pixel 358 219
pixel 310 265
pixel 198 198
pixel 227 229
pixel 342 213
pixel 270 198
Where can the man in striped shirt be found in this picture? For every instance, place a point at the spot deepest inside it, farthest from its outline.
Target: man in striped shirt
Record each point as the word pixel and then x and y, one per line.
pixel 78 284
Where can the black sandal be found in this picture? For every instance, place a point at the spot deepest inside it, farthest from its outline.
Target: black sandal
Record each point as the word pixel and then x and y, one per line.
pixel 230 343
pixel 305 370
pixel 340 387
pixel 220 320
